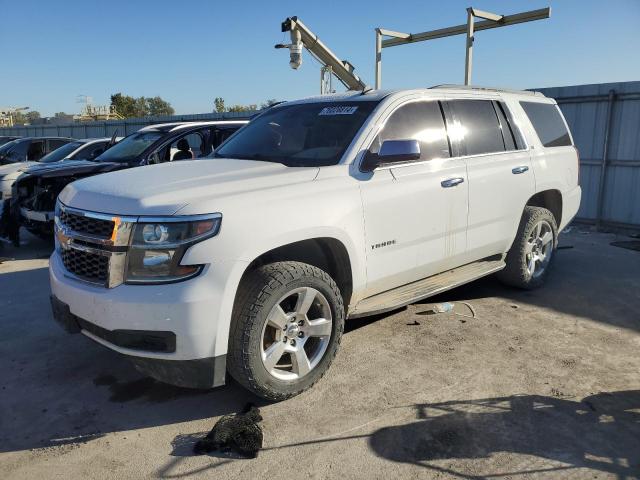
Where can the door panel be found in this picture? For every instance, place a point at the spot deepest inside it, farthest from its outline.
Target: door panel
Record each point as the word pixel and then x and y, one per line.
pixel 414 226
pixel 497 197
pixel 500 176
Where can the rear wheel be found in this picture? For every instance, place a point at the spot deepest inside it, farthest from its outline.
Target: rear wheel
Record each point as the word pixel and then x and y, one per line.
pixel 531 255
pixel 286 328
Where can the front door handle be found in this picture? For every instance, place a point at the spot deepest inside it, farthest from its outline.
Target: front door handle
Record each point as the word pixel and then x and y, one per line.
pixel 518 170
pixel 451 182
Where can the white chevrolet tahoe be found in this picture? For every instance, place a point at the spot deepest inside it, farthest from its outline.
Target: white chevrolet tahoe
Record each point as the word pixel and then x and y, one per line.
pixel 317 211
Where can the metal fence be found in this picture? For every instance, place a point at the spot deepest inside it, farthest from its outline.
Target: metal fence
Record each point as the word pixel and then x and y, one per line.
pixel 604 120
pixel 605 123
pixel 109 127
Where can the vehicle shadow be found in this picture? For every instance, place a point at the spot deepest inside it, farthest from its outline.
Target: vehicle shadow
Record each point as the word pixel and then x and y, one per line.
pixel 31 247
pixel 595 281
pixel 601 432
pixel 58 389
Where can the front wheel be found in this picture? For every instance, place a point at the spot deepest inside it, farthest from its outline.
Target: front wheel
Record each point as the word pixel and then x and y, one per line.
pixel 286 329
pixel 532 253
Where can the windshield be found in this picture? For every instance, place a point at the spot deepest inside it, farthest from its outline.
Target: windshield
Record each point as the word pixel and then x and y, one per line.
pixel 4 140
pixel 7 146
pixel 60 153
pixel 14 151
pixel 303 135
pixel 129 148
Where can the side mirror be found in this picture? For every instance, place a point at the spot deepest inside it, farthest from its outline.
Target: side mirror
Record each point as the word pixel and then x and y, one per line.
pixel 392 151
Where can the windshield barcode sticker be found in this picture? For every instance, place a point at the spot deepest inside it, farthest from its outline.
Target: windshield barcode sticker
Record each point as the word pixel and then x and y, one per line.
pixel 338 111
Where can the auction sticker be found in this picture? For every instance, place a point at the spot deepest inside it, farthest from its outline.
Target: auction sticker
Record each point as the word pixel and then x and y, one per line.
pixel 338 110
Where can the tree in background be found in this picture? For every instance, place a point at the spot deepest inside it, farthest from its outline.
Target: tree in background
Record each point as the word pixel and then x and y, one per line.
pixel 20 118
pixel 125 105
pixel 220 107
pixel 32 116
pixel 158 106
pixel 218 103
pixel 130 107
pixel 243 108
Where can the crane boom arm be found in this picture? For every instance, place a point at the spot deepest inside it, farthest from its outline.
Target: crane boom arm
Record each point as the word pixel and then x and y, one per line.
pixel 301 35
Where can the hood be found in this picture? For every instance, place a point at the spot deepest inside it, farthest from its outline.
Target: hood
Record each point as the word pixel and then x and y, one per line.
pixel 166 188
pixel 14 167
pixel 71 167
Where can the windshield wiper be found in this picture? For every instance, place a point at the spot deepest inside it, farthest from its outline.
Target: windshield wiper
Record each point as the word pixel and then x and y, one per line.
pixel 257 158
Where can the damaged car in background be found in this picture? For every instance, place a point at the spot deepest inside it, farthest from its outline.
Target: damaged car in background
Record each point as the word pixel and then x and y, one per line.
pixel 34 193
pixel 83 149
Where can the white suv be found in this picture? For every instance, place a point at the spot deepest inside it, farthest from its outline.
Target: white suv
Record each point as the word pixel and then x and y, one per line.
pixel 317 211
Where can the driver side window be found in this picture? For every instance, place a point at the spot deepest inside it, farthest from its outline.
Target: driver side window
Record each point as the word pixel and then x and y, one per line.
pixel 186 147
pixel 420 121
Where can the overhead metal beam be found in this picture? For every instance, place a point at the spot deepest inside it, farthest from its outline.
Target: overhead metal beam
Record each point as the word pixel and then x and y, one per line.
pixel 507 20
pixel 490 20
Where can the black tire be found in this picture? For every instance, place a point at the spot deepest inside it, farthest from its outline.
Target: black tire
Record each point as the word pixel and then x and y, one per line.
pixel 257 295
pixel 516 273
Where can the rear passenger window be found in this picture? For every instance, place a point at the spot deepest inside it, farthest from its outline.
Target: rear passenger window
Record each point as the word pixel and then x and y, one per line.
pixel 478 129
pixel 507 134
pixel 548 124
pixel 420 121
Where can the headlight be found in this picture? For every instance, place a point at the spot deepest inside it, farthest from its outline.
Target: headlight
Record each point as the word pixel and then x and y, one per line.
pixel 158 245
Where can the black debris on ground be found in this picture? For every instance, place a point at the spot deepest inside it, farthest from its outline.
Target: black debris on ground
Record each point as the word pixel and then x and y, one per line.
pixel 238 432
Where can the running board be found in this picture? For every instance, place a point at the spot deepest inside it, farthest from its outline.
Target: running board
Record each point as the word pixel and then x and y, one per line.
pixel 416 291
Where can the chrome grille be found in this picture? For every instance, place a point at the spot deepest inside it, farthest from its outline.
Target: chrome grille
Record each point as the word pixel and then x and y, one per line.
pixel 87 225
pixel 93 246
pixel 88 266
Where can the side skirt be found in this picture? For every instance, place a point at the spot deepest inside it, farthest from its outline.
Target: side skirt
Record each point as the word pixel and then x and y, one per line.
pixel 427 287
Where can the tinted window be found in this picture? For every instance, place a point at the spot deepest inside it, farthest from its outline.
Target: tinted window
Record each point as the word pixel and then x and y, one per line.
pixel 56 143
pixel 36 150
pixel 129 148
pixel 507 133
pixel 60 153
pixel 420 121
pixel 513 126
pixel 476 126
pixel 91 151
pixel 15 151
pixel 548 123
pixel 301 135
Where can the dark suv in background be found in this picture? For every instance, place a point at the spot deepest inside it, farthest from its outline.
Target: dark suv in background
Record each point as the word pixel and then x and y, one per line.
pixel 34 193
pixel 5 139
pixel 30 148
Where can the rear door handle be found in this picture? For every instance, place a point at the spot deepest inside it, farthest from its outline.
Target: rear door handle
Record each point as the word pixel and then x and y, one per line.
pixel 518 170
pixel 451 182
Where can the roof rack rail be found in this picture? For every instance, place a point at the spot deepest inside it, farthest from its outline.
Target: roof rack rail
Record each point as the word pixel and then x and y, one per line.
pixel 485 89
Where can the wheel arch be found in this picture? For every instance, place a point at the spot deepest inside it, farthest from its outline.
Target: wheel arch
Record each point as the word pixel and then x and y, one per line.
pixel 326 253
pixel 551 200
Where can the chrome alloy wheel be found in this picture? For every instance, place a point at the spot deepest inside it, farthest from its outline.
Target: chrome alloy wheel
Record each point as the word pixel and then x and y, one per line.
pixel 296 334
pixel 539 248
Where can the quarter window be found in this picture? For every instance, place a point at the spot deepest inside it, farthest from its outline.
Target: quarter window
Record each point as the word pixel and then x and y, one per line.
pixel 420 121
pixel 476 126
pixel 548 124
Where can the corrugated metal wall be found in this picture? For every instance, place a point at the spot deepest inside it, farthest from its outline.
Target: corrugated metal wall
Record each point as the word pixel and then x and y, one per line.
pixel 590 110
pixel 610 199
pixel 106 129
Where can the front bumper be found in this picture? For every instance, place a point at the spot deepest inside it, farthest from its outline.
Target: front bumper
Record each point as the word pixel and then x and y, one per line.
pixel 188 310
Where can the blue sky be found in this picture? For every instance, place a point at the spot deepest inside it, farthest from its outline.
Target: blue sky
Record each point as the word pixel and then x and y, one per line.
pixel 191 51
